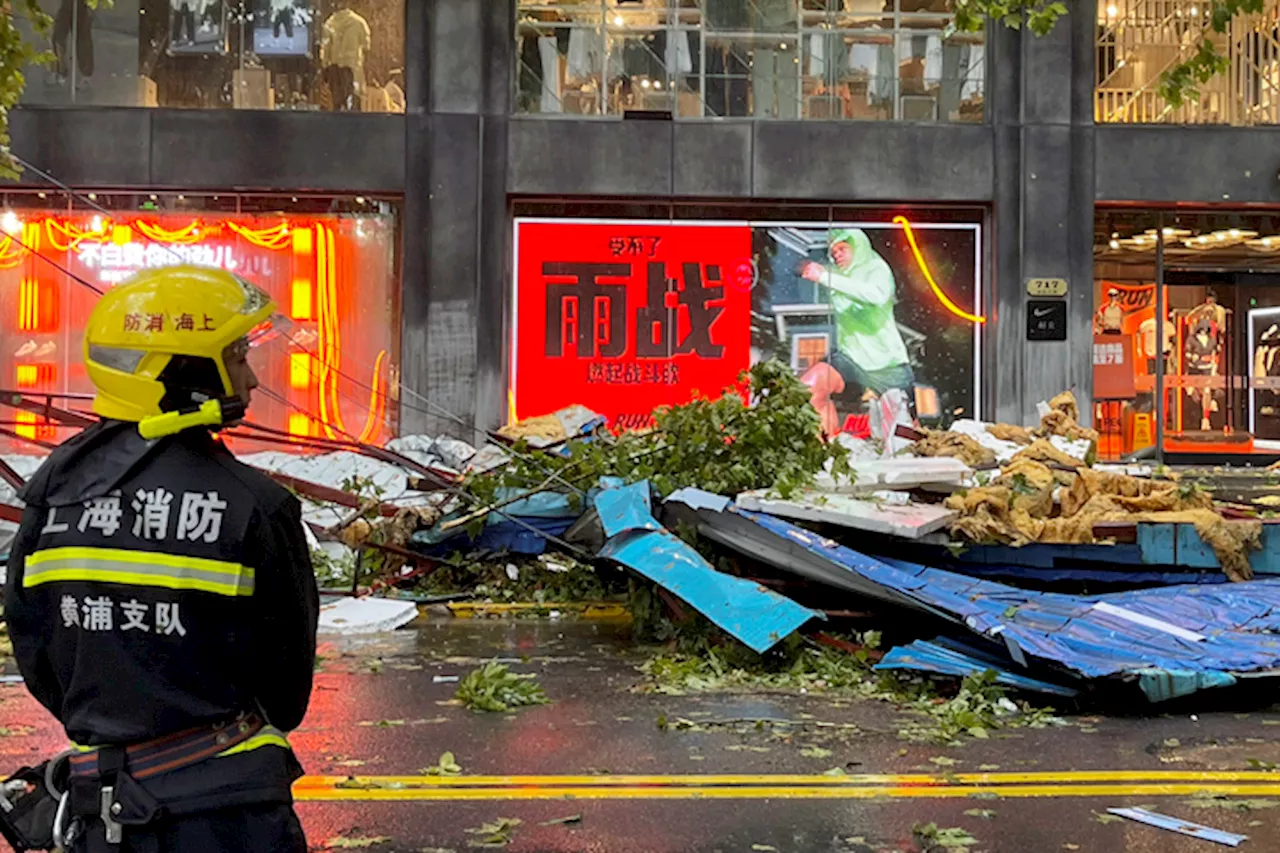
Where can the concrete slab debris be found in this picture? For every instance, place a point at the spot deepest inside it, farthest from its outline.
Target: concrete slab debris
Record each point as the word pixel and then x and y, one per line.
pixel 365 615
pixel 910 522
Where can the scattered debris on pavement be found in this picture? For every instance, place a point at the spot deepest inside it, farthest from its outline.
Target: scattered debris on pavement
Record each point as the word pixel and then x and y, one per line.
pixel 763 556
pixel 497 833
pixel 1184 827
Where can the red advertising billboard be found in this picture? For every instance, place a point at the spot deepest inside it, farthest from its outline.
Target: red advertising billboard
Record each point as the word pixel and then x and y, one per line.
pixel 623 316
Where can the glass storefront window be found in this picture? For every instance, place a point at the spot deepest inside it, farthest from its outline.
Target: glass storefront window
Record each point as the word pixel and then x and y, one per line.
pixel 338 55
pixel 768 59
pixel 1138 40
pixel 1194 298
pixel 333 274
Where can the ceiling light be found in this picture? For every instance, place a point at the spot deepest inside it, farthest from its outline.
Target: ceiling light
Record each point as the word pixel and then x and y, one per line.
pixel 10 222
pixel 1112 11
pixel 1115 244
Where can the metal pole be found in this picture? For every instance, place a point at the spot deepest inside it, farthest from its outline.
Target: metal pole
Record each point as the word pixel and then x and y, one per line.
pixel 1160 357
pixel 74 38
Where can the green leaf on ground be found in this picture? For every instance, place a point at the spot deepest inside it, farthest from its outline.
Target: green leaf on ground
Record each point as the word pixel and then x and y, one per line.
pixel 943 761
pixel 933 838
pixel 498 833
pixel 988 767
pixel 447 766
pixel 341 842
pixel 815 752
pixel 985 814
pixel 1105 818
pixel 495 688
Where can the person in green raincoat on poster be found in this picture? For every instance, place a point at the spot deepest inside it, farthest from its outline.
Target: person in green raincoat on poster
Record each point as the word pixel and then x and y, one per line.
pixel 869 351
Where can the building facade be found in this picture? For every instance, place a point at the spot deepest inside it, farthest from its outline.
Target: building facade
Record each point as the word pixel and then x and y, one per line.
pixel 491 208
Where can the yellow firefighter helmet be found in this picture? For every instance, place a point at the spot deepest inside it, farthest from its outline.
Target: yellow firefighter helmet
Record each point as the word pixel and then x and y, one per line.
pixel 140 325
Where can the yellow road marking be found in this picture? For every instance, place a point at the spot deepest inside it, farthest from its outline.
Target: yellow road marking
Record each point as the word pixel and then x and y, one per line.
pixel 304 793
pixel 713 780
pixel 1068 783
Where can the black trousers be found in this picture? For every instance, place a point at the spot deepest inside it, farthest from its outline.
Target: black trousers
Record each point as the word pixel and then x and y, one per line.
pixel 62 26
pixel 284 18
pixel 184 18
pixel 251 829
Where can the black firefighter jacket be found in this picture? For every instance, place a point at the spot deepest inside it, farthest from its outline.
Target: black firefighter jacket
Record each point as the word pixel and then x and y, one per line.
pixel 157 586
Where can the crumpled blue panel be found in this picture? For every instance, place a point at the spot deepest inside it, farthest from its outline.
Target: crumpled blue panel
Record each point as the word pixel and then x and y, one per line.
pixel 1239 622
pixel 757 616
pixel 932 657
pixel 625 508
pixel 1160 685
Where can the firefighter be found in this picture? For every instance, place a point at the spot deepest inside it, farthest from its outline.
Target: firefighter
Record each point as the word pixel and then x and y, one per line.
pixel 160 595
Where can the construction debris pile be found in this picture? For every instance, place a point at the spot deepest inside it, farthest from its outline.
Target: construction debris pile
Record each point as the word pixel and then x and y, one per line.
pixel 722 506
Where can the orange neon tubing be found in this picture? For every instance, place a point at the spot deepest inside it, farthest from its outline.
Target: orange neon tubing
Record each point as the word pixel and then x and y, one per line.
pixel 377 403
pixel 276 237
pixel 189 233
pixel 924 268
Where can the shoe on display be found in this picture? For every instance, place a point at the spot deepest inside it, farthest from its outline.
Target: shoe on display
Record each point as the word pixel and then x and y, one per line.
pixel 26 349
pixel 47 349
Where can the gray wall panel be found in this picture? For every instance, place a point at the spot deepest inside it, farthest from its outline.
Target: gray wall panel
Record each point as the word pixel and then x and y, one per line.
pixel 574 158
pixel 713 159
pixel 1046 253
pixel 85 147
pixel 247 149
pixel 838 161
pixel 457 56
pixel 1225 165
pixel 415 248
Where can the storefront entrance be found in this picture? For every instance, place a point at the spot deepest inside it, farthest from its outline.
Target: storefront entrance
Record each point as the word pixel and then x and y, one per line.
pixel 1202 385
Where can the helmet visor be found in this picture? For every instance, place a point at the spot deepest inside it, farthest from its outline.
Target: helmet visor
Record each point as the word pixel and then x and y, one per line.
pixel 275 326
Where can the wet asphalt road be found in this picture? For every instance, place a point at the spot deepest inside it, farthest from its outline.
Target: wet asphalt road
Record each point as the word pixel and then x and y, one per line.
pixel 378 711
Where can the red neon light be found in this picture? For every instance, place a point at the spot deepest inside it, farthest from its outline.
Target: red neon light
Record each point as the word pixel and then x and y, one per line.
pixel 924 268
pixel 313 278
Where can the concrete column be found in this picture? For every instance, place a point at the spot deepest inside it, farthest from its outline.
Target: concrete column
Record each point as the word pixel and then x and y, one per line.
pixel 455 237
pixel 1043 119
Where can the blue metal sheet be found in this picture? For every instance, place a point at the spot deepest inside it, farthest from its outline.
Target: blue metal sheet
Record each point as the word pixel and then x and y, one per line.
pixel 626 508
pixel 1238 621
pixel 1157 544
pixel 757 616
pixel 1116 575
pixel 934 657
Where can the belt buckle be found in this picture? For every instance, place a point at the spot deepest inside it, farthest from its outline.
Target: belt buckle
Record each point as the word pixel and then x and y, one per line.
pixel 115 832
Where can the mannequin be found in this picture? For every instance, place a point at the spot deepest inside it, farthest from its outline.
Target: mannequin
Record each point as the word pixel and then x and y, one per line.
pixel 1203 350
pixel 1266 365
pixel 345 38
pixel 1110 316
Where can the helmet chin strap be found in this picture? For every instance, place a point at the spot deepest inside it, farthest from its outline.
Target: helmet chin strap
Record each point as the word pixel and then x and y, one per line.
pixel 213 412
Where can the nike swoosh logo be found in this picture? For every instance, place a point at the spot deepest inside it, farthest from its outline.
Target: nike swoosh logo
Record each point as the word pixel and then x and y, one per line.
pixel 1040 312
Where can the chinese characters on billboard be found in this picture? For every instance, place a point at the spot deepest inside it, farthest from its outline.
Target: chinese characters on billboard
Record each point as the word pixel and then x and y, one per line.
pixel 624 316
pixel 332 275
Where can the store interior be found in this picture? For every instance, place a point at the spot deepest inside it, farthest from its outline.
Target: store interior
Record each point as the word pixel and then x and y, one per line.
pixel 782 59
pixel 329 55
pixel 1186 349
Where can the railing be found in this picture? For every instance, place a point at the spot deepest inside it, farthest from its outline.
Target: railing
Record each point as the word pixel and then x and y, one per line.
pixel 1139 40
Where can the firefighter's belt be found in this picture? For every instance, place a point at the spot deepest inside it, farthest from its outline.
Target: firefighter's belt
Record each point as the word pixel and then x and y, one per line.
pixel 172 752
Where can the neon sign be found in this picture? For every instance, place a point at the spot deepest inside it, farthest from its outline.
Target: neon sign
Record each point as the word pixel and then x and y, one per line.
pixel 116 262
